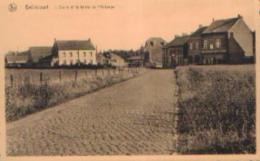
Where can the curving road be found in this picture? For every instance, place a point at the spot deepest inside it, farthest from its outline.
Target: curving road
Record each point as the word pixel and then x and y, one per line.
pixel 129 118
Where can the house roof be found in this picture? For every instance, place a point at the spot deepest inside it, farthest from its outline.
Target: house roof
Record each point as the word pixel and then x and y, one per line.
pixel 199 31
pixel 116 56
pixel 39 52
pixel 75 45
pixel 178 41
pixel 17 57
pixel 222 25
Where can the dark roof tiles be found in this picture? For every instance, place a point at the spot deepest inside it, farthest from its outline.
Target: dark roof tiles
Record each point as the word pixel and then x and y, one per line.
pixel 37 53
pixel 178 41
pixel 75 45
pixel 219 26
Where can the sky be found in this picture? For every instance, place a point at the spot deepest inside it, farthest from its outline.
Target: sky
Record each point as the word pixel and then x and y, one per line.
pixel 127 26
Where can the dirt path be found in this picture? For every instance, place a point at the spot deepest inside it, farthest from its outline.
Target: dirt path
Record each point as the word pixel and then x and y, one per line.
pixel 133 117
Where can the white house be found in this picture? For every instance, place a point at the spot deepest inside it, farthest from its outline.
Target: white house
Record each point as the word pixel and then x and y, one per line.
pixel 71 52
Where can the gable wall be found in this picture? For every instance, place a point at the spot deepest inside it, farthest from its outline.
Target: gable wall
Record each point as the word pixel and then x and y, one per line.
pixel 243 36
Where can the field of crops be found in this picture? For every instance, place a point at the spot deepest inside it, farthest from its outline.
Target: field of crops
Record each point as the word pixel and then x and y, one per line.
pixel 216 109
pixel 31 90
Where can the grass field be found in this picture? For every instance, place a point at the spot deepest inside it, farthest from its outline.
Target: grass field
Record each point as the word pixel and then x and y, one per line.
pixel 217 109
pixel 29 91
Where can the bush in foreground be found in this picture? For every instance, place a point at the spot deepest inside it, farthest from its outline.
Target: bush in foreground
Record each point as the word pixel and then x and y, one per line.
pixel 217 110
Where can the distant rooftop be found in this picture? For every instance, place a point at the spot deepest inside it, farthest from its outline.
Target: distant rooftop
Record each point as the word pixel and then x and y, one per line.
pixel 75 45
pixel 222 25
pixel 178 41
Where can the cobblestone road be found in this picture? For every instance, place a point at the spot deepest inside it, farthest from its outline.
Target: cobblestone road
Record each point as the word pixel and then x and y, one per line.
pixel 129 118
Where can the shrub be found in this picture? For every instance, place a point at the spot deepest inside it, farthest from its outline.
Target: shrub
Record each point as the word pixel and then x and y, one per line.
pixel 216 105
pixel 27 98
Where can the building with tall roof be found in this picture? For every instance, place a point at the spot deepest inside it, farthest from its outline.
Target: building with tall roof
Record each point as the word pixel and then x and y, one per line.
pixel 154 52
pixel 227 41
pixel 72 52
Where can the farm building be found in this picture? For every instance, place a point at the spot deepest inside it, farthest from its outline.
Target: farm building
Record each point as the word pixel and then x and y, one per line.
pixel 111 59
pixel 195 45
pixel 72 52
pixel 176 51
pixel 17 59
pixel 117 61
pixel 102 59
pixel 38 52
pixel 154 52
pixel 135 61
pixel 227 41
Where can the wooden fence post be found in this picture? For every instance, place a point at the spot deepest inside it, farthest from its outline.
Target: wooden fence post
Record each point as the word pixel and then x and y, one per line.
pixel 60 76
pixel 41 78
pixel 76 75
pixel 11 80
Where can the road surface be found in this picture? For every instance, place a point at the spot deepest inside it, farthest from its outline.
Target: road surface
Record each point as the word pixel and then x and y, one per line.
pixel 130 118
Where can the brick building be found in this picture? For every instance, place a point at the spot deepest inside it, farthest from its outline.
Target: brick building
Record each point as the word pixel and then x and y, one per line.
pixel 195 45
pixel 176 52
pixel 227 41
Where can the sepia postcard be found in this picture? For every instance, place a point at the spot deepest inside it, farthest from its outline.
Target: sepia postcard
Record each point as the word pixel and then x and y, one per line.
pixel 129 80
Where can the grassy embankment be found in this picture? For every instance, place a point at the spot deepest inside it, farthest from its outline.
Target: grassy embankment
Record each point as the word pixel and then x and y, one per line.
pixel 26 97
pixel 217 108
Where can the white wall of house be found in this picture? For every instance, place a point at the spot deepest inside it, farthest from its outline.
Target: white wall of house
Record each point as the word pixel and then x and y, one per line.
pixel 71 57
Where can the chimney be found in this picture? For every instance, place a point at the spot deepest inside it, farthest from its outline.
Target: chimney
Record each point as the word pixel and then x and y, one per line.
pixel 239 16
pixel 200 26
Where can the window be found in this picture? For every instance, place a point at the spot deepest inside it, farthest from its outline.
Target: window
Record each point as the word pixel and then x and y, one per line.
pixel 151 43
pixel 211 46
pixel 191 46
pixel 85 61
pixel 64 62
pixel 91 53
pixel 71 62
pixel 218 43
pixel 205 44
pixel 64 54
pixel 91 61
pixel 70 54
pixel 84 53
pixel 162 43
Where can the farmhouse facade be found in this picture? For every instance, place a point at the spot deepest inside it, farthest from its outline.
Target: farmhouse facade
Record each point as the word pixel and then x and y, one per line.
pixel 195 45
pixel 223 41
pixel 72 52
pixel 111 59
pixel 117 61
pixel 227 41
pixel 176 51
